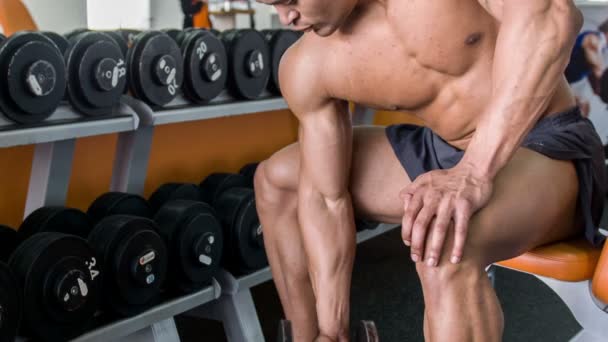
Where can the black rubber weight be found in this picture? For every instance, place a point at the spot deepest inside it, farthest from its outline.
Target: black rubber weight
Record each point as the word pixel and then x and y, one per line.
pixel 32 77
pixel 8 242
pixel 244 250
pixel 97 75
pixel 60 41
pixel 205 66
pixel 131 252
pixel 216 183
pixel 248 171
pixel 56 219
pixel 174 191
pixel 195 241
pixel 119 203
pixel 10 304
pixel 249 62
pixel 155 68
pixel 55 271
pixel 279 41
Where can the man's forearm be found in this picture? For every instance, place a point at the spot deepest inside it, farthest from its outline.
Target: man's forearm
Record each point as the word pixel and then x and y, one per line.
pixel 532 51
pixel 329 238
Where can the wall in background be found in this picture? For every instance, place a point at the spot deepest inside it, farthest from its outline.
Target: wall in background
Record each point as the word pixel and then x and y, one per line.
pixel 113 14
pixel 58 15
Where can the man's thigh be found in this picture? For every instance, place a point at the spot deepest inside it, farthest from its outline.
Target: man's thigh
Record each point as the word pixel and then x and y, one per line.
pixel 533 203
pixel 376 177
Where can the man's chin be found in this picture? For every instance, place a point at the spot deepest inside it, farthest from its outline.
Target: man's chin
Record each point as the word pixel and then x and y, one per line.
pixel 324 31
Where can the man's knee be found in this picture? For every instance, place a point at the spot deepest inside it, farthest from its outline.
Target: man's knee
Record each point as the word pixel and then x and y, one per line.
pixel 446 274
pixel 271 182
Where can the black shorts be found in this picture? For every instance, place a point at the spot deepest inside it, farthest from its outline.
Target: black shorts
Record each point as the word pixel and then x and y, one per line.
pixel 563 136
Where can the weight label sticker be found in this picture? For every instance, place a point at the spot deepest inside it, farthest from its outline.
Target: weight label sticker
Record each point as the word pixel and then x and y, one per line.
pixel 84 289
pixel 91 265
pixel 119 72
pixel 147 258
pixel 201 50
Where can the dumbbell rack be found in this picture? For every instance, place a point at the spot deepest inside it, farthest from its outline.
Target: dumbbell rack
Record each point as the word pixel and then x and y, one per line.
pixel 229 298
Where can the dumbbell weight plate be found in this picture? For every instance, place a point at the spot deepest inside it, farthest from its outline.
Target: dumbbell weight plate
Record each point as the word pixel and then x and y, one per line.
pixel 120 41
pixel 57 272
pixel 248 171
pixel 155 68
pixel 32 77
pixel 173 33
pixel 119 203
pixel 10 304
pixel 97 75
pixel 236 209
pixel 55 219
pixel 248 60
pixel 174 191
pixel 216 183
pixel 279 41
pixel 71 34
pixel 60 41
pixel 8 242
pixel 195 241
pixel 134 261
pixel 206 66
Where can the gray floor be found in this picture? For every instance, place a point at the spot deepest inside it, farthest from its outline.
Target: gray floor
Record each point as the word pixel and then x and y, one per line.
pixel 386 289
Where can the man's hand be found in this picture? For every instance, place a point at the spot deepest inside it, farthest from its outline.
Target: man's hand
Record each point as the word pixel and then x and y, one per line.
pixel 444 195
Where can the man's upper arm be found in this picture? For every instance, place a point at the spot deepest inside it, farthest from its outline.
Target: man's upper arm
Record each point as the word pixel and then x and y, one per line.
pixel 499 8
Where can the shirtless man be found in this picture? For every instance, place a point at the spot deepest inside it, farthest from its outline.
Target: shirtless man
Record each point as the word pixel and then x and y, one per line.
pixel 499 168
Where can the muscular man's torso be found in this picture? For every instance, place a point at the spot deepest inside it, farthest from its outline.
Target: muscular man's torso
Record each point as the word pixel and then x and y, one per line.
pixel 433 58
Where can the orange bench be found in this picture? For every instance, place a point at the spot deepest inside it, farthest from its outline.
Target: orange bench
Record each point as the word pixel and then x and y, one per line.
pixel 578 273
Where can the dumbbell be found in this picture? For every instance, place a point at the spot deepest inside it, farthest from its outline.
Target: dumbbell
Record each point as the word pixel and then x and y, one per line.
pixel 248 171
pixel 58 274
pixel 32 77
pixel 10 294
pixel 279 41
pixel 205 65
pixel 97 75
pixel 155 68
pixel 60 41
pixel 365 331
pixel 192 233
pixel 248 61
pixel 73 33
pixel 234 204
pixel 130 251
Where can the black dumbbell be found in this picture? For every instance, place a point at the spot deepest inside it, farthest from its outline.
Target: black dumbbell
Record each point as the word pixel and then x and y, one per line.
pixel 97 73
pixel 248 61
pixel 248 171
pixel 205 65
pixel 365 331
pixel 234 204
pixel 155 68
pixel 10 294
pixel 130 251
pixel 60 41
pixel 192 233
pixel 32 77
pixel 73 33
pixel 120 41
pixel 174 191
pixel 55 219
pixel 60 282
pixel 194 238
pixel 279 41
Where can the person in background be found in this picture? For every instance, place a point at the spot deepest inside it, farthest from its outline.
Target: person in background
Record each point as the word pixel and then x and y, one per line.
pixel 587 62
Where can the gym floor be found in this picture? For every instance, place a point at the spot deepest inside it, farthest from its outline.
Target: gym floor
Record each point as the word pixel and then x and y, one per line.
pixel 386 289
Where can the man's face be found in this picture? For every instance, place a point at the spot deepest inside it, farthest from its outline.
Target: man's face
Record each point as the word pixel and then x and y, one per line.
pixel 321 16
